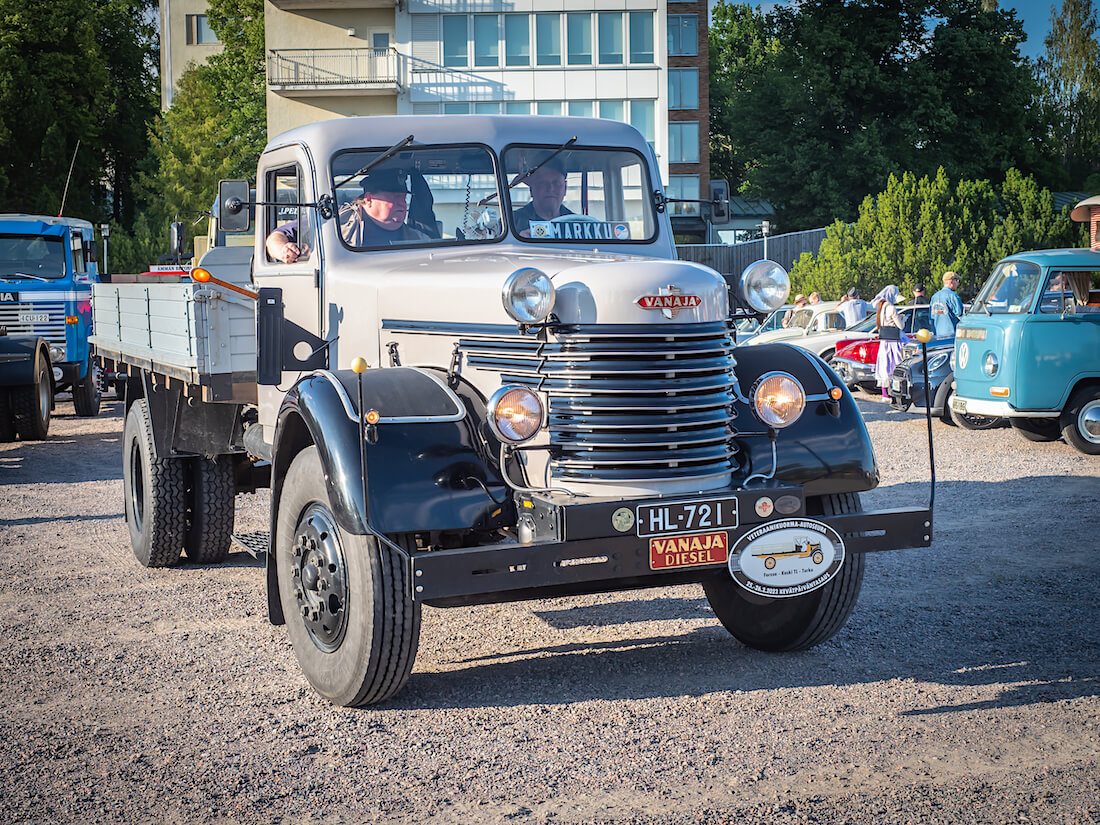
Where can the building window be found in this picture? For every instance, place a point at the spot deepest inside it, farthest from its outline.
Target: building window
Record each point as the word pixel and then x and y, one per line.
pixel 581 108
pixel 613 110
pixel 380 41
pixel 641 37
pixel 425 108
pixel 683 88
pixel 683 186
pixel 611 37
pixel 456 108
pixel 486 40
pixel 548 39
pixel 643 117
pixel 487 108
pixel 513 107
pixel 578 33
pixel 549 107
pixel 683 35
pixel 455 40
pixel 199 31
pixel 683 142
pixel 517 40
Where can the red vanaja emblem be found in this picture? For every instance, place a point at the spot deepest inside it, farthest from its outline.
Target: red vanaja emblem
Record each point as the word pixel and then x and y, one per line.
pixel 669 300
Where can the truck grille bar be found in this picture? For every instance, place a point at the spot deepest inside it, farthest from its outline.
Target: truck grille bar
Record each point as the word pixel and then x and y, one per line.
pixel 628 403
pixel 52 330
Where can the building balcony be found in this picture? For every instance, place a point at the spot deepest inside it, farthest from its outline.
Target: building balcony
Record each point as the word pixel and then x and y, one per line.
pixel 320 72
pixel 311 5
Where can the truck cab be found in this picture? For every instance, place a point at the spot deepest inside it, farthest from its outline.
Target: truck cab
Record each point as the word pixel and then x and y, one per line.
pixel 1029 348
pixel 47 269
pixel 482 375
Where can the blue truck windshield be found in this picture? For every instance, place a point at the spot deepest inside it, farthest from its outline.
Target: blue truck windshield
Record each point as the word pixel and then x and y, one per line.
pixel 31 257
pixel 1010 289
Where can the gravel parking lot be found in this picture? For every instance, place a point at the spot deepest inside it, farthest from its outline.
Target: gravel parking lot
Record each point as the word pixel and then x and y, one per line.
pixel 963 689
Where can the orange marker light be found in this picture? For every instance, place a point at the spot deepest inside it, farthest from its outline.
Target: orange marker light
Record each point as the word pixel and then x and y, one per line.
pixel 373 416
pixel 71 319
pixel 835 393
pixel 201 275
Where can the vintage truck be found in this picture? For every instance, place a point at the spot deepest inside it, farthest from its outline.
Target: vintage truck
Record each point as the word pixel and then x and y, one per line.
pixel 506 387
pixel 47 268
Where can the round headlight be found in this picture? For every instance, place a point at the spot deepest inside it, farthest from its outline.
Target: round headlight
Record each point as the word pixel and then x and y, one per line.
pixel 764 286
pixel 778 399
pixel 528 296
pixel 515 414
pixel 936 361
pixel 991 364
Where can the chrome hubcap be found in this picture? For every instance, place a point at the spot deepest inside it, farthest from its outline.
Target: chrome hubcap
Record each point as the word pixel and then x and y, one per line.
pixel 319 575
pixel 1088 421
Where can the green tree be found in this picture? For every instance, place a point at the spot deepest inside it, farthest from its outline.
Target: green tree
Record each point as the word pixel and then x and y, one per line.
pixel 1070 75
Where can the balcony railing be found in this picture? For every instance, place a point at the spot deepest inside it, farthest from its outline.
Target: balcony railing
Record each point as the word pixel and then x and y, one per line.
pixel 333 70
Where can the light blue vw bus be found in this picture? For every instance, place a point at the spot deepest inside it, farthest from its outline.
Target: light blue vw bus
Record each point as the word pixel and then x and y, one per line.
pixel 1029 348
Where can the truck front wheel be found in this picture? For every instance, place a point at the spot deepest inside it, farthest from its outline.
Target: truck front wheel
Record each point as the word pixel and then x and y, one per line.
pixel 155 493
pixel 86 392
pixel 31 404
pixel 796 623
pixel 347 600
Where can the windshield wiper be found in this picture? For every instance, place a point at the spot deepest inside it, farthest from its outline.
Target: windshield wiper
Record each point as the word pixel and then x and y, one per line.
pixel 389 153
pixel 521 178
pixel 27 275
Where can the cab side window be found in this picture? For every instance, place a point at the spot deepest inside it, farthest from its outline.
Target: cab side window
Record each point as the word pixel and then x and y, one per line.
pixel 1076 289
pixel 76 244
pixel 284 187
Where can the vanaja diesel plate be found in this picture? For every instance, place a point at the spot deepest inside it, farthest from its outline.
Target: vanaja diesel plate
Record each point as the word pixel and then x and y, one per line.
pixel 666 552
pixel 686 516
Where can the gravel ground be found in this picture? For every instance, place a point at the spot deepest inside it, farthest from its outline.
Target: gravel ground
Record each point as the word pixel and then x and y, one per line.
pixel 963 689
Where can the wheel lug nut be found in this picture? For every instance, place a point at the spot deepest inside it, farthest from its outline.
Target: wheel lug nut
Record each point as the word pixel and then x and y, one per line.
pixel 322 584
pixel 305 611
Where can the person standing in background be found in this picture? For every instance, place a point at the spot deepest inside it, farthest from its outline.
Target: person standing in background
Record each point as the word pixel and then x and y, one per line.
pixel 815 297
pixel 890 336
pixel 946 307
pixel 853 308
pixel 920 298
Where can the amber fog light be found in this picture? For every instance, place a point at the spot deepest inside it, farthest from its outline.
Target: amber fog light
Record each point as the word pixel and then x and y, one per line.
pixel 778 399
pixel 515 414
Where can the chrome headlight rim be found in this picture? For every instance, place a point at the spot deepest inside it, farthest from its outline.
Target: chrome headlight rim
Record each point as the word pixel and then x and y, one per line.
pixel 777 421
pixel 523 278
pixel 937 361
pixel 991 365
pixel 494 402
pixel 750 288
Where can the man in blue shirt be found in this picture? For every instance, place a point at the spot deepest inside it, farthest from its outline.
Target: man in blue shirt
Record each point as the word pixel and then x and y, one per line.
pixel 946 307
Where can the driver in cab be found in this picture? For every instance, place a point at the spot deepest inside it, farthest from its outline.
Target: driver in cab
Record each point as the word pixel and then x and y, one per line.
pixel 547 185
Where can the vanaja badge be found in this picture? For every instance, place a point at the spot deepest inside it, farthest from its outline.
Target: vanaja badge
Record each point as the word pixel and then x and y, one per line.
pixel 669 300
pixel 786 558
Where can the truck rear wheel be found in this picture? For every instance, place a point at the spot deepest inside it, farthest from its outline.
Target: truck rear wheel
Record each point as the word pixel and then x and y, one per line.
pixel 796 623
pixel 86 392
pixel 155 493
pixel 1036 429
pixel 31 404
pixel 1081 420
pixel 347 600
pixel 210 500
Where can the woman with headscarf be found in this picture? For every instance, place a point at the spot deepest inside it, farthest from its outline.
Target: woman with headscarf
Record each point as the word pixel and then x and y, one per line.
pixel 890 336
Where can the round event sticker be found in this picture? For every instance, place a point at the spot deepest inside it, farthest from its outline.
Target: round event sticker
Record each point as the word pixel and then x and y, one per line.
pixel 786 558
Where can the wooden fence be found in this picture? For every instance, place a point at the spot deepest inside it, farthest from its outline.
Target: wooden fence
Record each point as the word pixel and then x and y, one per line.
pixel 731 259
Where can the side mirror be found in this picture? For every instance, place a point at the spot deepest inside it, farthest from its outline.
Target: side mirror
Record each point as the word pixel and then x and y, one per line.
pixel 719 202
pixel 175 239
pixel 233 198
pixel 89 251
pixel 1069 305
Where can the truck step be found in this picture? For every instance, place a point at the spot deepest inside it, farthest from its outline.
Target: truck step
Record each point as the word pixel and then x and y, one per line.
pixel 255 544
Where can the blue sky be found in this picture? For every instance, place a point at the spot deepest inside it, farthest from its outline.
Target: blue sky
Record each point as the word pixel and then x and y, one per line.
pixel 1034 13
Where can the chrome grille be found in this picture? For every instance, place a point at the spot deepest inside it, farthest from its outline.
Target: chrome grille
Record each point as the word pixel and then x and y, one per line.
pixel 628 403
pixel 53 330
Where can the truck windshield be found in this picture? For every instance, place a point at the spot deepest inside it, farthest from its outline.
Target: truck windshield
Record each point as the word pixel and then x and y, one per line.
pixel 1010 289
pixel 422 196
pixel 31 257
pixel 586 195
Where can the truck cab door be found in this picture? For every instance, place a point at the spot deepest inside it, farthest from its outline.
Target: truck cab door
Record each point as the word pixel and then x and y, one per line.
pixel 287 178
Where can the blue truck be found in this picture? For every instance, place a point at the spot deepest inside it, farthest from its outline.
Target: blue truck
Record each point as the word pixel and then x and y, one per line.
pixel 47 268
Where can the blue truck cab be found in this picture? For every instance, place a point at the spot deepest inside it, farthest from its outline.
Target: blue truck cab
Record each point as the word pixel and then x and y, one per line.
pixel 47 268
pixel 1029 348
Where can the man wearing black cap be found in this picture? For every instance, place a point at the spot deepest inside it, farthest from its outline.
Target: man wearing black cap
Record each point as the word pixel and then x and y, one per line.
pixel 920 298
pixel 375 218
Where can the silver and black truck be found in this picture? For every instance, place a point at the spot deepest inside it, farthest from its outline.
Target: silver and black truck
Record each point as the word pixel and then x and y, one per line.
pixel 462 353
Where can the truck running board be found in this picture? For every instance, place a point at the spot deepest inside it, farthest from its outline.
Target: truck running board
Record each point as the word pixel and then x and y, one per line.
pixel 255 544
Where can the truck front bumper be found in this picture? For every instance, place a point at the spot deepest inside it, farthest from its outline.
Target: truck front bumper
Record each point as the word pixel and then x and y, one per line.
pixel 995 409
pixel 599 563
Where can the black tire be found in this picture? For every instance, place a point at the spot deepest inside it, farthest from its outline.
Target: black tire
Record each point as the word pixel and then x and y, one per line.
pixel 210 509
pixel 87 393
pixel 7 418
pixel 365 651
pixel 798 623
pixel 1081 420
pixel 1037 429
pixel 155 493
pixel 31 404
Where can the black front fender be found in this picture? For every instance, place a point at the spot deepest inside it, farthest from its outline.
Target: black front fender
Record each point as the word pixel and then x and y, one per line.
pixel 19 359
pixel 827 450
